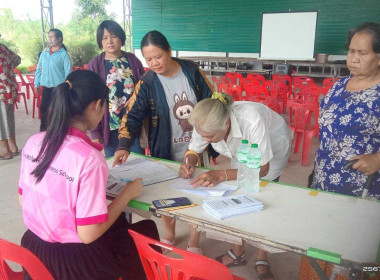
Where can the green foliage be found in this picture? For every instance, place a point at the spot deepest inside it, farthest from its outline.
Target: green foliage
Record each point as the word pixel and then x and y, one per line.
pixel 23 69
pixel 10 45
pixel 82 52
pixel 96 9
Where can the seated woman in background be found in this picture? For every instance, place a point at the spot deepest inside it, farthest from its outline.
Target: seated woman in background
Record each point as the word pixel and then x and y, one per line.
pixel 120 71
pixel 223 124
pixel 62 192
pixel 349 120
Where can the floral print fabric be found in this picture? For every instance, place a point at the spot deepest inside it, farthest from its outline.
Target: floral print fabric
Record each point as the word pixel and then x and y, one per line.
pixel 8 85
pixel 121 82
pixel 349 125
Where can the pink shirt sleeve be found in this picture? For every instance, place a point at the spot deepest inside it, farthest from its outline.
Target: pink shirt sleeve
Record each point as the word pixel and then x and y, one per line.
pixel 91 207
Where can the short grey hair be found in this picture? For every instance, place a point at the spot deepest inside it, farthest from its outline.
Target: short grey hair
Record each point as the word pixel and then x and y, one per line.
pixel 211 114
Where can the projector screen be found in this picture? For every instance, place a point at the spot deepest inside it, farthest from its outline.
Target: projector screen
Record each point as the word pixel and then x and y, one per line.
pixel 288 36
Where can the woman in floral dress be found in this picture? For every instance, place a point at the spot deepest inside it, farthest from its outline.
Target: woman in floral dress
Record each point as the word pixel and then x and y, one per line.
pixel 120 71
pixel 8 95
pixel 350 120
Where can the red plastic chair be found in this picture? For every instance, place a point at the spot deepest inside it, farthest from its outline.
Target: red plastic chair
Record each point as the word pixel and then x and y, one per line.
pixel 309 92
pixel 23 83
pixel 280 90
pixel 185 266
pixel 218 80
pixel 303 121
pixel 327 84
pixel 269 101
pixel 235 78
pixel 15 253
pixel 36 96
pixel 235 91
pixel 286 78
pixel 255 90
pixel 19 95
pixel 252 76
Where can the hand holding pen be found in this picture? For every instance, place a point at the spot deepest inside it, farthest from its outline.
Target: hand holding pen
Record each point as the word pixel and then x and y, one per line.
pixel 186 169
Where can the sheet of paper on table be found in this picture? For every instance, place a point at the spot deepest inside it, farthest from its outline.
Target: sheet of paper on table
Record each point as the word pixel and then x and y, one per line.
pixel 151 172
pixel 225 207
pixel 218 190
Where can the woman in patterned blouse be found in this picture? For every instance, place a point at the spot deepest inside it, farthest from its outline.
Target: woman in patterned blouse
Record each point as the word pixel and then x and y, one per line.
pixel 8 95
pixel 350 120
pixel 120 71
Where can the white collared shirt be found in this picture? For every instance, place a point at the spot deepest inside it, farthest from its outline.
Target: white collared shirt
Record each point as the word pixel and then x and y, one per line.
pixel 259 124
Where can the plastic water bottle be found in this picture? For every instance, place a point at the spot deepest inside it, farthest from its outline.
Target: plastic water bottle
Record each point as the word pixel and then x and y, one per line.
pixel 253 169
pixel 242 167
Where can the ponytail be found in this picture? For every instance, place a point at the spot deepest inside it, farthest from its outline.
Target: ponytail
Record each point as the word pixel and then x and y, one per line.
pixel 70 99
pixel 212 113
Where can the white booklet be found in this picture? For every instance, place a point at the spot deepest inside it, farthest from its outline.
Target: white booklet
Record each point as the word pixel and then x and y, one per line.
pixel 225 207
pixel 151 172
pixel 218 190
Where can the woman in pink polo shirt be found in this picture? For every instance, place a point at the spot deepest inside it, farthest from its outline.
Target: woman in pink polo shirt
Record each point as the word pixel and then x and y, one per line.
pixel 62 192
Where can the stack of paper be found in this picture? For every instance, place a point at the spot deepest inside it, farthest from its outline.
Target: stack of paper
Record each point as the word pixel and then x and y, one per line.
pixel 151 172
pixel 225 207
pixel 218 190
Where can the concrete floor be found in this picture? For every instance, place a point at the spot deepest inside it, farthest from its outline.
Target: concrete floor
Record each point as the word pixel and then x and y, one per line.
pixel 284 265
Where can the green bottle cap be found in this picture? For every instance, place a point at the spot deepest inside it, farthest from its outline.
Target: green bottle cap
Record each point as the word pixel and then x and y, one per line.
pixel 254 145
pixel 244 141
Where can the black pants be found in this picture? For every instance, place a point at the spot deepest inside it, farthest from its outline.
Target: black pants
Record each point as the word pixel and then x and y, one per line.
pixel 44 106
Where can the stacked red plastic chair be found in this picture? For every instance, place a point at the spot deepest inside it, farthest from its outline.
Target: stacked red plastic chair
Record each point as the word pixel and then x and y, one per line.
pixel 36 97
pixel 23 83
pixel 218 80
pixel 235 78
pixel 19 95
pixel 327 84
pixel 234 90
pixel 253 76
pixel 303 121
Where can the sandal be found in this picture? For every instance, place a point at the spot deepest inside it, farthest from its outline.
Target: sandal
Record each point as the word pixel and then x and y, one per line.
pixel 195 250
pixel 266 275
pixel 237 260
pixel 171 243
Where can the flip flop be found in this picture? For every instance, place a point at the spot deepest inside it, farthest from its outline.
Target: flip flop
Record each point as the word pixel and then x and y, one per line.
pixel 237 260
pixel 5 158
pixel 171 243
pixel 195 250
pixel 266 275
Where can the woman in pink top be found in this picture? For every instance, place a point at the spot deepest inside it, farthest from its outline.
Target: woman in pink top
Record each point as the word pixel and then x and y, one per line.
pixel 62 192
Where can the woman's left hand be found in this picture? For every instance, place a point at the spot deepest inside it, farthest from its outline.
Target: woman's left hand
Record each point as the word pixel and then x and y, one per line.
pixel 367 164
pixel 209 179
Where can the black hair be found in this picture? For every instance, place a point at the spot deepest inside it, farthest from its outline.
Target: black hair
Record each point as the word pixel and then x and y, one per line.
pixel 58 34
pixel 114 28
pixel 155 38
pixel 370 28
pixel 68 101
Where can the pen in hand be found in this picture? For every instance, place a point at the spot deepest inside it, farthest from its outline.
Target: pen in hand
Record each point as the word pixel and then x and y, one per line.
pixel 187 167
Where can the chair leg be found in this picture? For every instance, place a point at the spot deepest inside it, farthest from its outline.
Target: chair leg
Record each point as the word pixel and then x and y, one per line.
pixel 307 138
pixel 298 141
pixel 28 91
pixel 34 106
pixel 26 106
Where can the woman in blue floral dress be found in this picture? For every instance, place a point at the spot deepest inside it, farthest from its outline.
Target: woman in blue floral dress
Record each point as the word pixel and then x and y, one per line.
pixel 349 120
